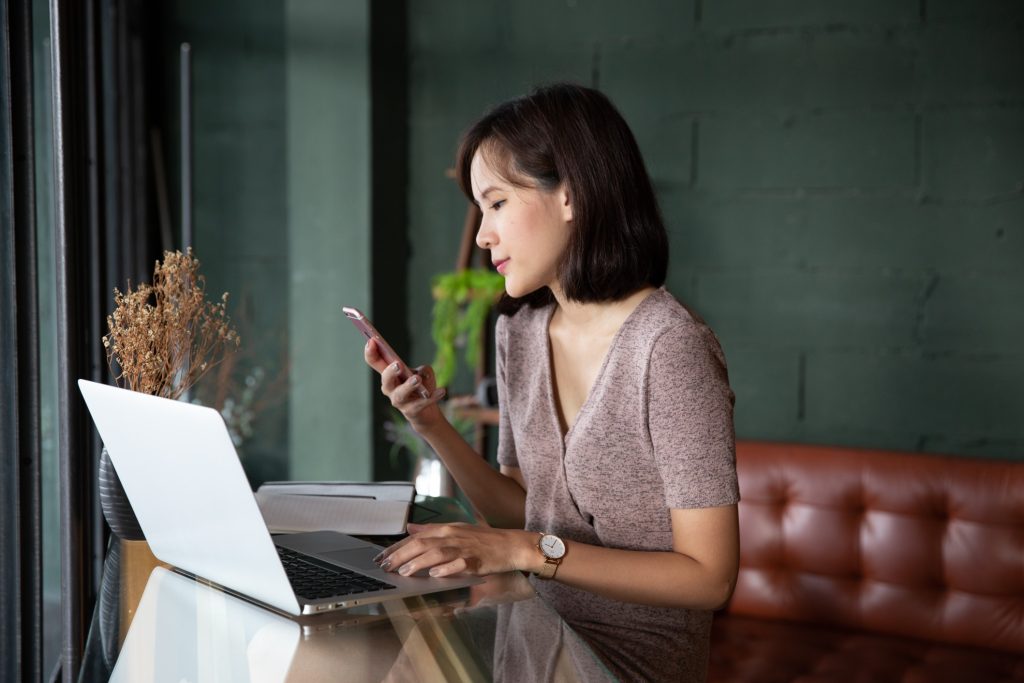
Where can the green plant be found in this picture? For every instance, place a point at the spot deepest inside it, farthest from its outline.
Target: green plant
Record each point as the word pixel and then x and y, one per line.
pixel 403 437
pixel 462 300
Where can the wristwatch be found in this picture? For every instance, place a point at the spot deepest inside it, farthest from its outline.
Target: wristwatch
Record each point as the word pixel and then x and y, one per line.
pixel 553 549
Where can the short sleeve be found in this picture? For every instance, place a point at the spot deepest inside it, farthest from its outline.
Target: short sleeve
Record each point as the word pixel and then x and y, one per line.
pixel 690 418
pixel 506 442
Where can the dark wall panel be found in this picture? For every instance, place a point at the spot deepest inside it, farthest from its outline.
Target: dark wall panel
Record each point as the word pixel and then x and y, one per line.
pixel 843 184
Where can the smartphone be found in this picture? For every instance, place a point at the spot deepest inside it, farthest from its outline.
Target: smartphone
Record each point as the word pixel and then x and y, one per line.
pixel 367 329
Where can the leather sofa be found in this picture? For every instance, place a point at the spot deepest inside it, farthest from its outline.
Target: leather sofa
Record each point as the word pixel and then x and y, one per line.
pixel 866 565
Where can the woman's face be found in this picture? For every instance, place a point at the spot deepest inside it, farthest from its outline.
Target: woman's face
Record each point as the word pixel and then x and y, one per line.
pixel 525 229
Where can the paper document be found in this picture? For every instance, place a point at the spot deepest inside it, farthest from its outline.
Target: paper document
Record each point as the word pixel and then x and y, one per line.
pixel 351 507
pixel 378 490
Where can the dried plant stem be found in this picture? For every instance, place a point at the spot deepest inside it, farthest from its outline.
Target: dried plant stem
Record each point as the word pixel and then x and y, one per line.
pixel 163 337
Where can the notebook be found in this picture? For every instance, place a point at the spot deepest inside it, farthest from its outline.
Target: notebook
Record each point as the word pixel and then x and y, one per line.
pixel 184 481
pixel 367 509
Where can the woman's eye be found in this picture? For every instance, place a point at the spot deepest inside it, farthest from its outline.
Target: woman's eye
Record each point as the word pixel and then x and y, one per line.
pixel 498 204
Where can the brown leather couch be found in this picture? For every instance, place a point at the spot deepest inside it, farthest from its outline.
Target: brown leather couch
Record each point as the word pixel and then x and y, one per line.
pixel 862 565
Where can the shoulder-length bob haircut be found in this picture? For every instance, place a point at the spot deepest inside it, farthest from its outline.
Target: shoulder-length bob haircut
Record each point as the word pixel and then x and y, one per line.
pixel 570 134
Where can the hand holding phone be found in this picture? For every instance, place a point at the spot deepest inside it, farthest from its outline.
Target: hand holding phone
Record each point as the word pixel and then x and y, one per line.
pixel 367 329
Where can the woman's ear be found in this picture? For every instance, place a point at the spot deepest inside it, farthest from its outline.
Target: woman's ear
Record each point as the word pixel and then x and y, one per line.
pixel 566 203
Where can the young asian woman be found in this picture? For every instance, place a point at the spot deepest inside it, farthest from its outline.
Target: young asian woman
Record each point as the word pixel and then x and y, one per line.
pixel 617 486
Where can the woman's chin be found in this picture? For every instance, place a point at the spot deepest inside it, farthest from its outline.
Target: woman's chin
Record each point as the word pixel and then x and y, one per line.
pixel 518 290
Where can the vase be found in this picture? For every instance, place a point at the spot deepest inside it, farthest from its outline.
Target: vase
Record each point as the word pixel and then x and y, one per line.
pixel 109 620
pixel 114 502
pixel 432 479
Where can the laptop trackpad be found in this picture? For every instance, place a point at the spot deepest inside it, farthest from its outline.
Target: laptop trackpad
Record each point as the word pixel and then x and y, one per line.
pixel 360 558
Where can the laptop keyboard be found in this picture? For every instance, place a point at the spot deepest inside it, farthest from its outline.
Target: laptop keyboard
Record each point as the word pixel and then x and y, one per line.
pixel 312 579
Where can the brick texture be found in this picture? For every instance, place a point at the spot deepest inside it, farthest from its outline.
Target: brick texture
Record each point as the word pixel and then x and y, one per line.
pixel 843 184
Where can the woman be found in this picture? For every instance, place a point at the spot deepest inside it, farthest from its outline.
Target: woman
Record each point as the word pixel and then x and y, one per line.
pixel 617 485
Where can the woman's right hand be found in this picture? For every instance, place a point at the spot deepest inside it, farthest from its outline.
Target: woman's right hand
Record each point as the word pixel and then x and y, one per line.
pixel 422 413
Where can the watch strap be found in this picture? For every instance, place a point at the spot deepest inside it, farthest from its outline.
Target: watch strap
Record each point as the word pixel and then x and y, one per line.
pixel 548 569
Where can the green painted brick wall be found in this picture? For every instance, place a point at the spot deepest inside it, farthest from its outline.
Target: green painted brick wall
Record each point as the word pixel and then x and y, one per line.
pixel 282 210
pixel 843 183
pixel 239 179
pixel 329 164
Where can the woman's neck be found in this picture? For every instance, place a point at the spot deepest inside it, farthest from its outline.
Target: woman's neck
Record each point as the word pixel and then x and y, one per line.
pixel 595 318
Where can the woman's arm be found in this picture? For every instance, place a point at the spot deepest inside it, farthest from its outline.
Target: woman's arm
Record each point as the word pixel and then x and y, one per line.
pixel 698 573
pixel 499 498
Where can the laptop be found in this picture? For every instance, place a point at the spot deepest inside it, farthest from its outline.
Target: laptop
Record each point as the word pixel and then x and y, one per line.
pixel 184 481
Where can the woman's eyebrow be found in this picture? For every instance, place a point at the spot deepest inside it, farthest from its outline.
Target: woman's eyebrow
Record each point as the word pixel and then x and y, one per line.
pixel 483 195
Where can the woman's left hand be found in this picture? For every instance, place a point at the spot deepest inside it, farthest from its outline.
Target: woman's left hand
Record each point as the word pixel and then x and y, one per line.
pixel 466 549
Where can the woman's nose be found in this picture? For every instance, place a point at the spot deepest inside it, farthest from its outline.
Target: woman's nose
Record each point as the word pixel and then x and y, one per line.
pixel 485 236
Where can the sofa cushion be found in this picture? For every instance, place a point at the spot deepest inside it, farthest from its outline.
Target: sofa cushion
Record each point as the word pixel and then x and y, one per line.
pixel 745 649
pixel 907 544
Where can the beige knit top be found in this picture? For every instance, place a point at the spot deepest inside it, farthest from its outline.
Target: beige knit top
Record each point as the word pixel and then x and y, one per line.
pixel 655 433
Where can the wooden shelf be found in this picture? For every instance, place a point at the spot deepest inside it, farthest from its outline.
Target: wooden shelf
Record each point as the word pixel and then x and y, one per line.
pixel 467 407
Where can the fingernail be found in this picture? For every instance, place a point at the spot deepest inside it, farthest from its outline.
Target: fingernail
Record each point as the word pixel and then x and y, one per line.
pixel 395 366
pixel 385 565
pixel 435 571
pixel 379 557
pixel 405 570
pixel 415 380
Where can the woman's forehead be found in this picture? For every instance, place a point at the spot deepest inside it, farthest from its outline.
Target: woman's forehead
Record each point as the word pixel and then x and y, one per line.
pixel 483 174
pixel 484 166
pixel 494 166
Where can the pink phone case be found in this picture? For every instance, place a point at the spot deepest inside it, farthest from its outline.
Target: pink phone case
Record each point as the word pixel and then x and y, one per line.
pixel 367 329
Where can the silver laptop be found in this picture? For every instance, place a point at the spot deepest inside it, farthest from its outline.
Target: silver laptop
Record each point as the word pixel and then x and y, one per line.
pixel 192 499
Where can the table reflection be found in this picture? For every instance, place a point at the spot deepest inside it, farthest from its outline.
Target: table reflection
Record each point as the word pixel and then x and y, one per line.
pixel 184 630
pixel 164 626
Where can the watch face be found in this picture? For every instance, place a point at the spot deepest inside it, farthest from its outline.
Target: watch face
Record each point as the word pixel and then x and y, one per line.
pixel 552 546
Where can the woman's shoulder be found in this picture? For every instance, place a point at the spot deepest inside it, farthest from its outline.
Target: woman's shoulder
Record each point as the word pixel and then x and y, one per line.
pixel 521 335
pixel 661 312
pixel 663 322
pixel 523 319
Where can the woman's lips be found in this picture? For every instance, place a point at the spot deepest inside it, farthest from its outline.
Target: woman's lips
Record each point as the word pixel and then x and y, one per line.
pixel 501 265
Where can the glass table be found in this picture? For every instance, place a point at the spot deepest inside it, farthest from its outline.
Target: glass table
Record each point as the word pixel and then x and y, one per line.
pixel 154 624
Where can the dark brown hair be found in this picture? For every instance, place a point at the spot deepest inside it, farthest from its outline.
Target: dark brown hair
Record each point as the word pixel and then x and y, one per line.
pixel 572 134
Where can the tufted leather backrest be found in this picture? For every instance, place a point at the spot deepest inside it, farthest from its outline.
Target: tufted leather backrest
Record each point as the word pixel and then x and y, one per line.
pixel 917 545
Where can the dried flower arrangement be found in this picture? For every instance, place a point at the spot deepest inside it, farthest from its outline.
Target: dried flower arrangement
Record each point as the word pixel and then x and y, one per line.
pixel 165 336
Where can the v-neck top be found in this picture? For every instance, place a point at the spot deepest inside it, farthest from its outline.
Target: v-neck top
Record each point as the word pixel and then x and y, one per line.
pixel 654 433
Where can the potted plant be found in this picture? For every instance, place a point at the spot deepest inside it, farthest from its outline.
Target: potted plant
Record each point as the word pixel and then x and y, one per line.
pixel 428 474
pixel 161 339
pixel 462 302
